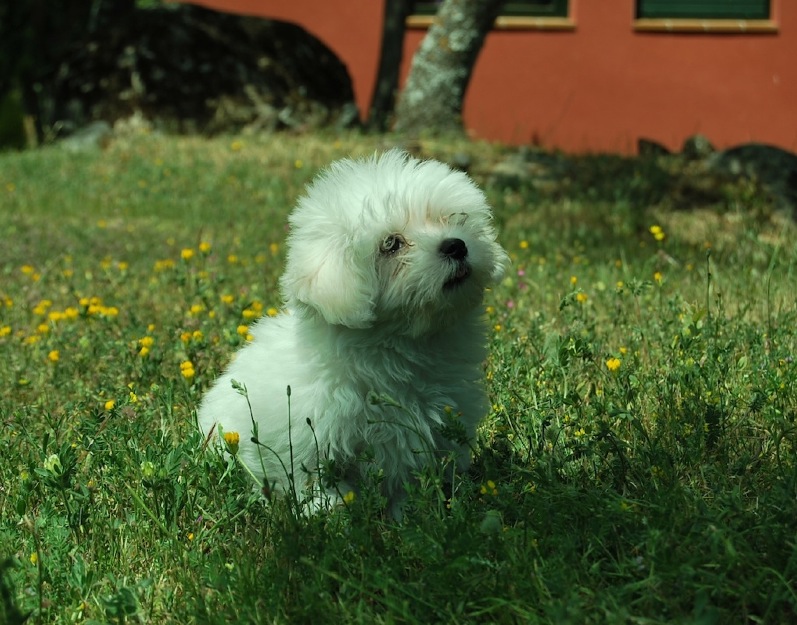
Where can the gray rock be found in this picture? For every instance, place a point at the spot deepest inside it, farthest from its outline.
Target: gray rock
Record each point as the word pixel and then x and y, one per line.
pixel 93 136
pixel 648 147
pixel 697 147
pixel 775 168
pixel 528 167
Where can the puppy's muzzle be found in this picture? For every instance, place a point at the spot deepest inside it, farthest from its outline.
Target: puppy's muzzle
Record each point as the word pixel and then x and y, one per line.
pixel 456 251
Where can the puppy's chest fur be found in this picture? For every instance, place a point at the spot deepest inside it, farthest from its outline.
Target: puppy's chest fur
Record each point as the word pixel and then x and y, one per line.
pixel 384 361
pixel 395 389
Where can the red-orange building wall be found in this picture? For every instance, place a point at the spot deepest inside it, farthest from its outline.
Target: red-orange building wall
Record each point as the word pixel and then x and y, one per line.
pixel 598 87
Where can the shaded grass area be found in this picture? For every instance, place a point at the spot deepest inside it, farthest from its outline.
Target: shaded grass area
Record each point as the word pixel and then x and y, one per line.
pixel 637 466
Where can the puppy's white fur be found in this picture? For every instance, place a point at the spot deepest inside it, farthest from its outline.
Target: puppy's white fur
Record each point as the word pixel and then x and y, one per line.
pixel 388 259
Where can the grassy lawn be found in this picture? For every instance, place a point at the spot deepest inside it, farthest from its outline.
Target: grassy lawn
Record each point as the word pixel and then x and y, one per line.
pixel 638 464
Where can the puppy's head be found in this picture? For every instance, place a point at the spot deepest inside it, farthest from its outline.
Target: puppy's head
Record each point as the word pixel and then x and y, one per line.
pixel 391 240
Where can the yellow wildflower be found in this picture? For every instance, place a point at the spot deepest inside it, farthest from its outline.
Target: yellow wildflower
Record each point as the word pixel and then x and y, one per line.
pixel 42 307
pixel 232 440
pixel 489 488
pixel 657 232
pixel 187 370
pixel 54 356
pixel 613 364
pixel 162 265
pixel 254 310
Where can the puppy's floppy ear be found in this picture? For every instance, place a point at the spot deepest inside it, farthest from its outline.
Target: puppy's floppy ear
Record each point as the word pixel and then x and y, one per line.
pixel 501 262
pixel 330 276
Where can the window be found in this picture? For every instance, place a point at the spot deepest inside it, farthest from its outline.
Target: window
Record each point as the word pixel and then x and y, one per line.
pixel 706 9
pixel 551 14
pixel 526 8
pixel 754 16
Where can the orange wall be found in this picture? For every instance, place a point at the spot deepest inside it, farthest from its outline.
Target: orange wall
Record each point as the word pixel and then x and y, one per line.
pixel 598 88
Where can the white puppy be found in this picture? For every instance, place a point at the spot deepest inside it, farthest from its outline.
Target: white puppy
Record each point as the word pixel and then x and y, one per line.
pixel 382 341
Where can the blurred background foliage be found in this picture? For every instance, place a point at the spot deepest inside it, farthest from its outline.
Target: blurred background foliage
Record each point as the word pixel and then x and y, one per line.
pixel 183 68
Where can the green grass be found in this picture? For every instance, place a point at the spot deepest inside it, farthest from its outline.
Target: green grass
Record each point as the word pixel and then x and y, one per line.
pixel 638 465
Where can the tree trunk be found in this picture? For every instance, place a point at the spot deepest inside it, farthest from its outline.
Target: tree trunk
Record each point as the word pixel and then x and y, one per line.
pixel 382 103
pixel 432 98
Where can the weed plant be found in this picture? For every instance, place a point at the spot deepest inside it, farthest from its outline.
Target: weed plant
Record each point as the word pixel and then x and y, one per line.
pixel 637 466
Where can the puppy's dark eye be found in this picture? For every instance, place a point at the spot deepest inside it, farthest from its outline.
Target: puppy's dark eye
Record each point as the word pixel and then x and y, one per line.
pixel 392 244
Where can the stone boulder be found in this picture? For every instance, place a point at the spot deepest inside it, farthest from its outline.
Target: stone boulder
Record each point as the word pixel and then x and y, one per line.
pixel 697 147
pixel 774 168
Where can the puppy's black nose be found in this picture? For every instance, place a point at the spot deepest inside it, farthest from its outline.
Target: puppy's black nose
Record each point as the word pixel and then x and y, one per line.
pixel 454 248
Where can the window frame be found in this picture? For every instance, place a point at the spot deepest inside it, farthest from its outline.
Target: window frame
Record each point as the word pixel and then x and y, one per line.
pixel 513 16
pixel 704 9
pixel 686 18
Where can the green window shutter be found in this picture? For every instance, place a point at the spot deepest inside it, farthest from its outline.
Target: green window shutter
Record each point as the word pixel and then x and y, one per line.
pixel 518 8
pixel 705 9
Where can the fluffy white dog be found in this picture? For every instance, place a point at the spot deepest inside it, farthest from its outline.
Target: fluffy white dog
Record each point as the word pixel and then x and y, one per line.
pixel 382 341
